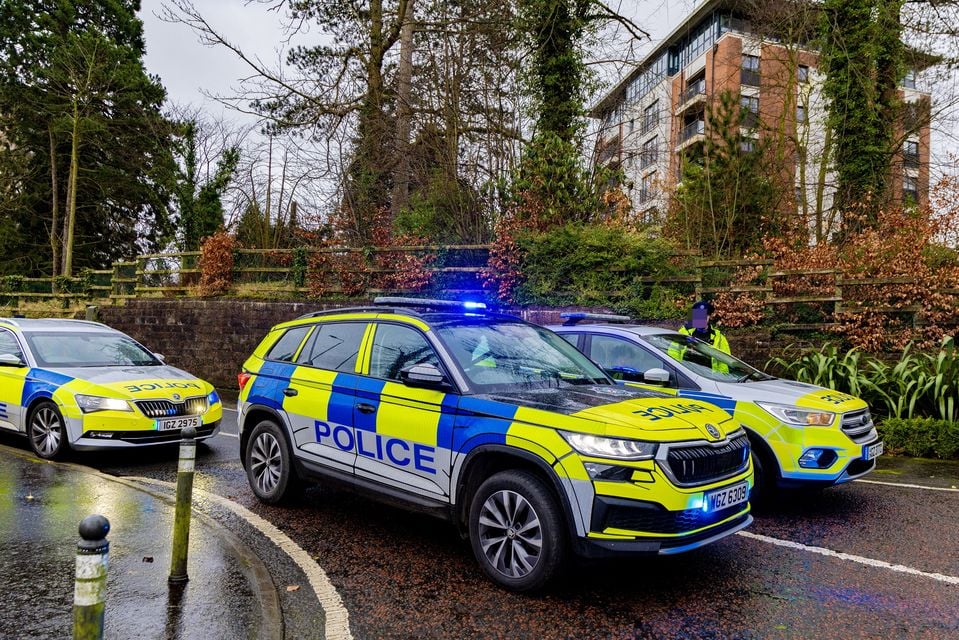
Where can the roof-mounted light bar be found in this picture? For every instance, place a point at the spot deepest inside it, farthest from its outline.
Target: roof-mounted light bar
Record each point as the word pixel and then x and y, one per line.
pixel 579 316
pixel 468 306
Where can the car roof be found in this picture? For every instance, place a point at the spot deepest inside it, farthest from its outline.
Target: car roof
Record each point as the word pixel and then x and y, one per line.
pixel 413 316
pixel 616 329
pixel 55 324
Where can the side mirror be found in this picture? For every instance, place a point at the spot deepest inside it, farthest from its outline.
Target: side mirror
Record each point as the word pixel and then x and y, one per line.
pixel 424 375
pixel 160 357
pixel 10 360
pixel 656 376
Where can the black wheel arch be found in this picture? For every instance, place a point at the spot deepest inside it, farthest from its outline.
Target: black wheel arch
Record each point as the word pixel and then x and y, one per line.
pixel 488 459
pixel 255 414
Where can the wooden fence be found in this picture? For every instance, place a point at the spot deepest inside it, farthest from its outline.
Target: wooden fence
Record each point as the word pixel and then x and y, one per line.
pixel 454 270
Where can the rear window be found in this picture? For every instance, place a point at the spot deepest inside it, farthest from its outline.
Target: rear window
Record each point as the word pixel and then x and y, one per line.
pixel 286 347
pixel 334 346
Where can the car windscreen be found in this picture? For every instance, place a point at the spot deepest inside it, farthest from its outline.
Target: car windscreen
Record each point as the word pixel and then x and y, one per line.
pixel 61 349
pixel 703 359
pixel 504 355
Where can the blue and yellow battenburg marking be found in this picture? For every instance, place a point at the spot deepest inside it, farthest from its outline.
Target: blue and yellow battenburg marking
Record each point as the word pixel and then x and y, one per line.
pixel 418 439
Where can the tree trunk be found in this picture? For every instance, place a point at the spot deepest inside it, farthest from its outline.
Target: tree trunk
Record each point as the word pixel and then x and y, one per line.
pixel 54 209
pixel 404 114
pixel 71 212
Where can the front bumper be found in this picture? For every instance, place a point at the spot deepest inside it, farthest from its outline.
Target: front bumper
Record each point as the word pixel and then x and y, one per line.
pixel 116 429
pixel 597 548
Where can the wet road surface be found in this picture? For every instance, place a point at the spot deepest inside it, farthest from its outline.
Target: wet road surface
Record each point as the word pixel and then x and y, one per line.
pixel 864 560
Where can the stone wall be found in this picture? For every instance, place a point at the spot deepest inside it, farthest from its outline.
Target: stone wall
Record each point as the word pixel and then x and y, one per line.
pixel 212 338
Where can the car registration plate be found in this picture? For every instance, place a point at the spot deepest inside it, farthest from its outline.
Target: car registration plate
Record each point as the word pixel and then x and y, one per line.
pixel 727 497
pixel 872 451
pixel 175 424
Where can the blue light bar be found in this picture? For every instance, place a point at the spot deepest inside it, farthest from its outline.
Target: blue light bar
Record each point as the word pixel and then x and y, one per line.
pixel 474 306
pixel 578 316
pixel 453 305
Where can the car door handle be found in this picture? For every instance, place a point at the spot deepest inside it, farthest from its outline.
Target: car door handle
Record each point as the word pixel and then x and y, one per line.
pixel 289 392
pixel 365 408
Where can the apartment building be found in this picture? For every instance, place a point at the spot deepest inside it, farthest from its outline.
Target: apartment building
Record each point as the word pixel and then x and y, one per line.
pixel 655 119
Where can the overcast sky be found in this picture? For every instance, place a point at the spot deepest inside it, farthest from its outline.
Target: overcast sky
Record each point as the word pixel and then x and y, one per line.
pixel 187 67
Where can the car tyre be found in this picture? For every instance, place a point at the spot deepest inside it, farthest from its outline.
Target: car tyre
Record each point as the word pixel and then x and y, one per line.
pixel 516 530
pixel 47 431
pixel 269 464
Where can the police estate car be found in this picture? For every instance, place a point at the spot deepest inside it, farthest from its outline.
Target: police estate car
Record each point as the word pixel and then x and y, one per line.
pixel 801 435
pixel 82 385
pixel 493 423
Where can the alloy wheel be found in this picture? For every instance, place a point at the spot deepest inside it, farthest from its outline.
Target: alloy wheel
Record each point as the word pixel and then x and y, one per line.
pixel 266 463
pixel 510 534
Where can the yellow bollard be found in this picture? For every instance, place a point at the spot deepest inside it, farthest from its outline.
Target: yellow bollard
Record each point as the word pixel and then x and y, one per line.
pixel 184 503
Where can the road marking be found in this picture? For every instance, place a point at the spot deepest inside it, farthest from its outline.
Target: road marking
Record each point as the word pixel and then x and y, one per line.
pixel 909 486
pixel 229 435
pixel 337 617
pixel 881 564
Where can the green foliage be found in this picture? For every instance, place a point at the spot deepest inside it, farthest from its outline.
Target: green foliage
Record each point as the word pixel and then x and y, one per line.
pixel 299 266
pixel 11 284
pixel 595 265
pixel 200 205
pixel 73 91
pixel 921 437
pixel 726 202
pixel 918 384
pixel 862 57
pixel 444 210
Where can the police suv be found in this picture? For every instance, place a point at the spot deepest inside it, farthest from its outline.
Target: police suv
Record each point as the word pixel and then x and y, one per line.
pixel 801 435
pixel 73 384
pixel 494 423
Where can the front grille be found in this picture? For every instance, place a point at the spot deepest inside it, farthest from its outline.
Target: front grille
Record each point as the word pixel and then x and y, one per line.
pixel 857 425
pixel 701 464
pixel 662 521
pixel 170 409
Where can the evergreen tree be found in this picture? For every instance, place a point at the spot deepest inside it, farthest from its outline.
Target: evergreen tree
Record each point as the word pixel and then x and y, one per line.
pixel 76 98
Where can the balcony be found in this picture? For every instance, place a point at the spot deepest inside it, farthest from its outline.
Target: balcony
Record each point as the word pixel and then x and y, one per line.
pixel 749 77
pixel 693 94
pixel 910 160
pixel 691 130
pixel 749 120
pixel 608 151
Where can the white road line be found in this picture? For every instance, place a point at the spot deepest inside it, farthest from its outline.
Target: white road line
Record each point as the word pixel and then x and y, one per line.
pixel 881 564
pixel 909 486
pixel 228 434
pixel 337 617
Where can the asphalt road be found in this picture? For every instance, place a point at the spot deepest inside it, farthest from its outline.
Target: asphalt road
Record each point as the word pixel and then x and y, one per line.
pixel 876 559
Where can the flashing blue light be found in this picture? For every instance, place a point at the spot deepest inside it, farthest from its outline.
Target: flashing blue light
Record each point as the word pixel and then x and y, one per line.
pixel 477 306
pixel 213 398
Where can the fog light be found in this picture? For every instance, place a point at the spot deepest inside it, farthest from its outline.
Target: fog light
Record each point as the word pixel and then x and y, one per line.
pixel 598 471
pixel 818 459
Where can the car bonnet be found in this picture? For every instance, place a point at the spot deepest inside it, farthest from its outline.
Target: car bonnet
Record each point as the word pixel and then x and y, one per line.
pixel 616 411
pixel 136 382
pixel 790 392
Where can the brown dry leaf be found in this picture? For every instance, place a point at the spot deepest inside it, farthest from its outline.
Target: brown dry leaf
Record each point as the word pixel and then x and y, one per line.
pixel 293 587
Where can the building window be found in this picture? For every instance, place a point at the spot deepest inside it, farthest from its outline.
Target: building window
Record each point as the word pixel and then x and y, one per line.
pixel 750 111
pixel 647 189
pixel 910 154
pixel 910 189
pixel 750 72
pixel 747 145
pixel 803 74
pixel 909 80
pixel 650 117
pixel 650 153
pixel 630 127
pixel 801 113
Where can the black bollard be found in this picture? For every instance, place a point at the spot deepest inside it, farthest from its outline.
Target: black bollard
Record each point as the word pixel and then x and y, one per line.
pixel 184 504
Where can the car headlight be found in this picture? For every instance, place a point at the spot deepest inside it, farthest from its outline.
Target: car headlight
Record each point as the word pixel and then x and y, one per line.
pixel 617 448
pixel 798 415
pixel 89 404
pixel 213 398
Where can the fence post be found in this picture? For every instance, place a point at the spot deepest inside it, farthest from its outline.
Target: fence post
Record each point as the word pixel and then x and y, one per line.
pixel 89 594
pixel 184 504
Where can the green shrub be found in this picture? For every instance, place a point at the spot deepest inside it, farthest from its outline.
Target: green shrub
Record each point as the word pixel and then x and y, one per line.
pixel 598 265
pixel 11 284
pixel 921 437
pixel 916 385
